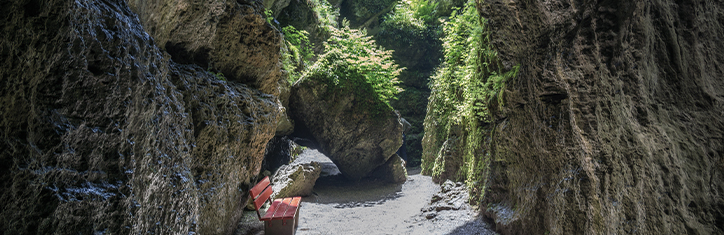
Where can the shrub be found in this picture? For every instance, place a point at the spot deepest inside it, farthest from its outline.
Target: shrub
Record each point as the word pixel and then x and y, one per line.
pixel 354 63
pixel 297 52
pixel 414 14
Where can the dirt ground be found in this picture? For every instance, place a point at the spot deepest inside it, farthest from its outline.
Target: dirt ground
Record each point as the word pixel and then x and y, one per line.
pixel 340 206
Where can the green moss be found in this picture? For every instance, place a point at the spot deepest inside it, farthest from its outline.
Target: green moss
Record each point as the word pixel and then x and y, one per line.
pixel 218 75
pixel 297 52
pixel 466 86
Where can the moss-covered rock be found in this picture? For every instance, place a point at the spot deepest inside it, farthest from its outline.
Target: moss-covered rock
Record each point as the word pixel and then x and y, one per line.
pixel 276 6
pixel 611 126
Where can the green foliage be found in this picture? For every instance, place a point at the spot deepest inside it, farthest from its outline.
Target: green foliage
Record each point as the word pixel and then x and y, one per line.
pixel 470 81
pixel 355 64
pixel 297 52
pixel 300 40
pixel 326 14
pixel 269 16
pixel 413 14
pixel 471 75
pixel 423 9
pixel 412 24
pixel 218 75
pixel 364 9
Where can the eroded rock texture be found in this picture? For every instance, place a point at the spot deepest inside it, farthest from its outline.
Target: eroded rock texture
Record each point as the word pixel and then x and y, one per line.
pixel 356 142
pixel 615 123
pixel 101 133
pixel 295 179
pixel 393 171
pixel 231 37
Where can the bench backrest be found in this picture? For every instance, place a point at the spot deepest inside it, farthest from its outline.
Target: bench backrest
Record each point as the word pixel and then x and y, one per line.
pixel 260 193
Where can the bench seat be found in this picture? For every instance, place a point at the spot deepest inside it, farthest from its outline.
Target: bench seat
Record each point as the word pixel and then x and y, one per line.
pixel 282 209
pixel 282 216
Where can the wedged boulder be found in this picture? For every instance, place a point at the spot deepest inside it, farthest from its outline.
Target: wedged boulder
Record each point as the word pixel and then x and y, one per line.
pixel 392 171
pixel 356 142
pixel 231 37
pixel 295 179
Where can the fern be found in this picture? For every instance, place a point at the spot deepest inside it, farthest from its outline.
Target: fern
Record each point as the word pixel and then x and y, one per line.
pixel 354 63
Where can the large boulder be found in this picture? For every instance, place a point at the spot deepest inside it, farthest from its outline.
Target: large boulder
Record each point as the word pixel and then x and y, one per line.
pixel 231 37
pixel 356 142
pixel 295 179
pixel 101 133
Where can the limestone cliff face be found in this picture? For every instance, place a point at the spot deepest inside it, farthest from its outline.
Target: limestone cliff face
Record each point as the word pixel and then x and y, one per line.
pixel 615 124
pixel 101 132
pixel 231 37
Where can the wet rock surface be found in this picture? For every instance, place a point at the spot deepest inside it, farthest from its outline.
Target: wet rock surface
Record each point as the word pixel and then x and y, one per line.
pixel 355 142
pixel 100 132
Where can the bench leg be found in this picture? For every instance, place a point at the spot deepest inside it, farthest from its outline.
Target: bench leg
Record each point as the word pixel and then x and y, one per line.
pixel 280 227
pixel 296 216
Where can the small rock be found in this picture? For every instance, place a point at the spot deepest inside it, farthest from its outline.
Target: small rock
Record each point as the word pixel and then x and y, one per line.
pixel 392 171
pixel 430 215
pixel 295 180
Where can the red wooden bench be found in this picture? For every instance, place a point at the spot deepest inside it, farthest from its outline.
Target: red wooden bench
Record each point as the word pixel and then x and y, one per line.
pixel 283 214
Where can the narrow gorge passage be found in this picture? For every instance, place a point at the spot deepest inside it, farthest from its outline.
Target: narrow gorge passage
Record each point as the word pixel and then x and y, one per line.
pixel 340 206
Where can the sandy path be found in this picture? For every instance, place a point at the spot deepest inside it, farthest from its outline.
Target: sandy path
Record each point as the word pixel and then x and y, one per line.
pixel 373 207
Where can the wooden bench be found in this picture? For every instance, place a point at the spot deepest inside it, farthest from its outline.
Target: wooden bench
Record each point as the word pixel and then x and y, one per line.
pixel 283 214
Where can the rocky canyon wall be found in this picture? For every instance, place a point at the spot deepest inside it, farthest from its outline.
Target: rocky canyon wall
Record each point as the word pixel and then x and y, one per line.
pixel 102 131
pixel 615 123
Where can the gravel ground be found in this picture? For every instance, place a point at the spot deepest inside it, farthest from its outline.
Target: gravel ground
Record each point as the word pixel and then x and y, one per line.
pixel 340 206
